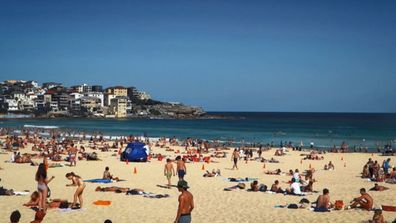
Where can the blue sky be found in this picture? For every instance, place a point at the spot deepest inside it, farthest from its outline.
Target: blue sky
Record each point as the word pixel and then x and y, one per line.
pixel 336 56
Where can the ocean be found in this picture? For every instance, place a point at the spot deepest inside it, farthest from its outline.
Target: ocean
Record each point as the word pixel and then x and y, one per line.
pixel 323 129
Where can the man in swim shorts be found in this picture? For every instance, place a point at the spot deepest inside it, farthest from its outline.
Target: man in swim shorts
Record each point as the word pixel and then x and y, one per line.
pixel 181 168
pixel 169 170
pixel 186 203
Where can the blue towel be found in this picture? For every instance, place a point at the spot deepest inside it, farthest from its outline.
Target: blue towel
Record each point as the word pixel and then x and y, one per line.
pixel 101 181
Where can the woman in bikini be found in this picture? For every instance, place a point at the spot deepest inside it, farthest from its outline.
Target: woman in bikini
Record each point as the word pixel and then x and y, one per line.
pixel 76 181
pixel 42 186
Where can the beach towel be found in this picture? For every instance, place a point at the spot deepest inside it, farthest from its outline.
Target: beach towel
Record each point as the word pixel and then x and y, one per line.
pixel 21 193
pixel 102 203
pixel 147 194
pixel 69 210
pixel 238 180
pixel 101 181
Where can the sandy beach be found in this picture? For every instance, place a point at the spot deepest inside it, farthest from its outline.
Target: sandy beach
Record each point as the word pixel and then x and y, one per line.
pixel 212 203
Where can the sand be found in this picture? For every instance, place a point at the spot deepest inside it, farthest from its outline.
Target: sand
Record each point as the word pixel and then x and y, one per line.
pixel 212 204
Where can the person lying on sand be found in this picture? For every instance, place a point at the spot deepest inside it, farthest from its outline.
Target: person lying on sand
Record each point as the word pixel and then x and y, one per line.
pixel 275 172
pixel 108 176
pixel 323 202
pixel 34 200
pixel 276 188
pixel 378 188
pixel 239 186
pixel 214 173
pixel 112 189
pixel 365 201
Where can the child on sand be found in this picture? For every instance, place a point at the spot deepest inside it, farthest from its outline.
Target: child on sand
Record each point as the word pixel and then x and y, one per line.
pixel 76 181
pixel 169 171
pixel 107 175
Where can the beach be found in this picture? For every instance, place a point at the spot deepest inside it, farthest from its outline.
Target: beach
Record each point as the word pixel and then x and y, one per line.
pixel 212 203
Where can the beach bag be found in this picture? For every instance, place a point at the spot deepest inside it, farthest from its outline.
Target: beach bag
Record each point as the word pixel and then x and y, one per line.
pixel 49 192
pixel 338 205
pixel 64 205
pixel 2 191
pixel 241 186
pixel 263 188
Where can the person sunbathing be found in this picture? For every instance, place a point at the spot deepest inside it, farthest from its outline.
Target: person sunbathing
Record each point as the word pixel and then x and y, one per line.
pixel 275 172
pixel 112 189
pixel 240 186
pixel 34 200
pixel 378 188
pixel 365 201
pixel 214 173
pixel 108 176
pixel 275 187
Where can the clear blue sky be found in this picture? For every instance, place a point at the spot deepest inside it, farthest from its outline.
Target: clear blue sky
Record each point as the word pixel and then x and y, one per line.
pixel 223 55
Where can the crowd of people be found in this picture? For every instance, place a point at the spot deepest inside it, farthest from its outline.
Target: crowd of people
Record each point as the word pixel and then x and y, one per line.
pixel 301 183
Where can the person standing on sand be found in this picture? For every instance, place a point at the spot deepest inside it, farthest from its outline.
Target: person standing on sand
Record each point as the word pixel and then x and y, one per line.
pixel 180 168
pixel 73 155
pixel 76 181
pixel 169 170
pixel 42 186
pixel 186 203
pixel 235 158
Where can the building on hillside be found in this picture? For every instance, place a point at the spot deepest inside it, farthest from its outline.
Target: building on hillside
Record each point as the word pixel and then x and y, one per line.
pixel 90 103
pixel 118 107
pixel 83 88
pixel 143 96
pixel 49 85
pixel 107 99
pixel 98 95
pixel 117 91
pixel 97 88
pixel 18 95
pixel 75 96
pixel 11 105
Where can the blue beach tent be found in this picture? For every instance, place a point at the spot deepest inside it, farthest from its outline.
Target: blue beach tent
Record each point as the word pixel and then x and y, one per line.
pixel 135 152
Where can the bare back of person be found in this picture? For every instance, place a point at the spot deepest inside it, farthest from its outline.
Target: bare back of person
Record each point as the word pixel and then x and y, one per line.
pixel 180 165
pixel 323 201
pixel 186 202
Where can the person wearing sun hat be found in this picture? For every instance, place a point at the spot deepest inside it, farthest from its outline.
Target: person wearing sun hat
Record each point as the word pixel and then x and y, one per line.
pixel 186 203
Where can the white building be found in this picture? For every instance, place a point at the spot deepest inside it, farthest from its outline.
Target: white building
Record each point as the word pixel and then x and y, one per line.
pixel 12 104
pixel 18 96
pixel 108 97
pixel 76 96
pixel 141 95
